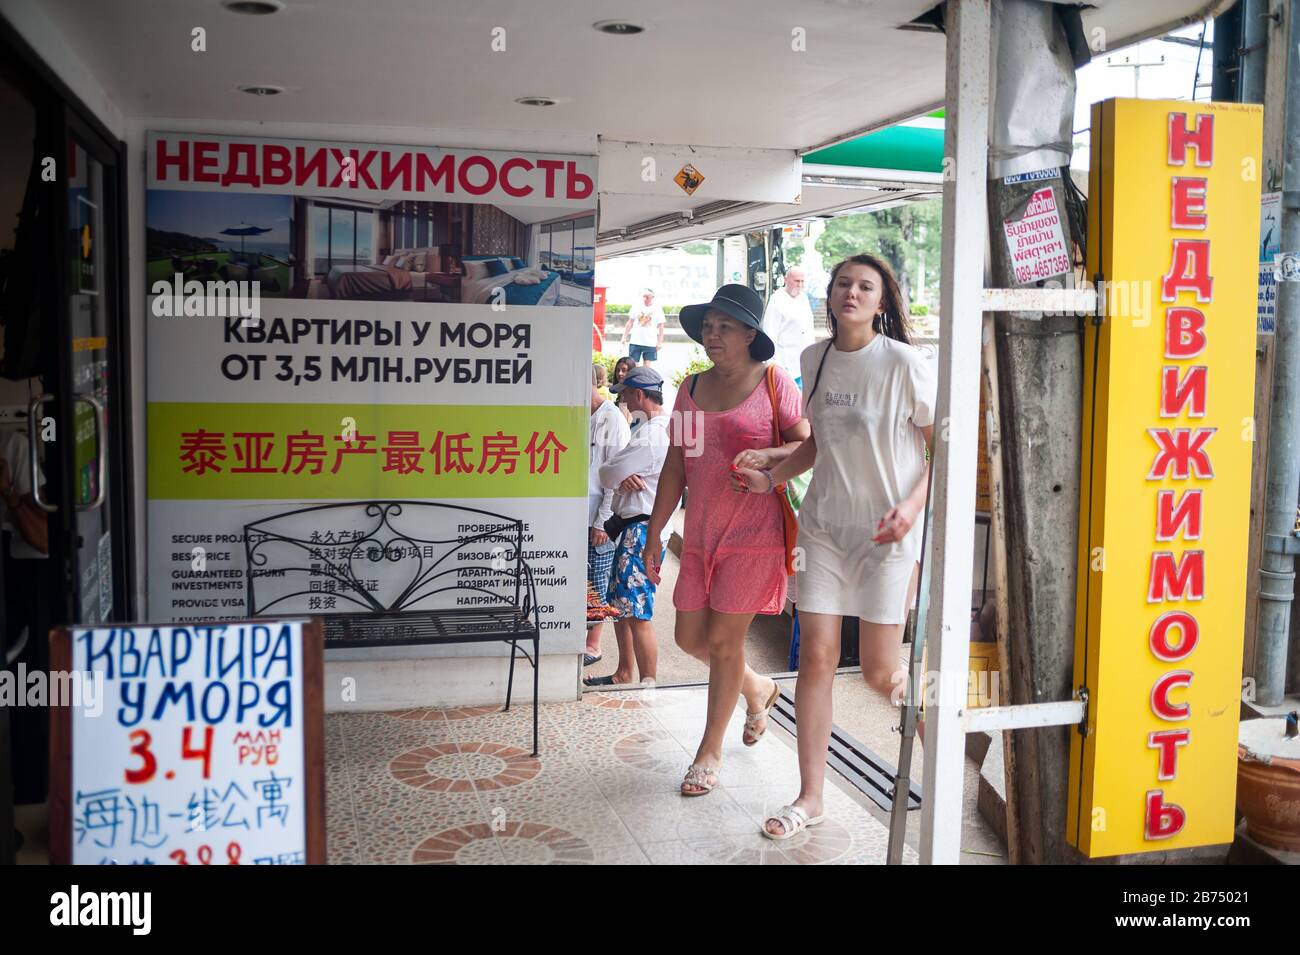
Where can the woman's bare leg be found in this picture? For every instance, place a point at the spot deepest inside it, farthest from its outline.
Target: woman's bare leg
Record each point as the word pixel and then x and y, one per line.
pixel 819 654
pixel 726 642
pixel 692 635
pixel 879 645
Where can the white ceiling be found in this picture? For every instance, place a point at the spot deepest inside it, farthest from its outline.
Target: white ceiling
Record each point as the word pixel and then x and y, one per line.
pixel 706 72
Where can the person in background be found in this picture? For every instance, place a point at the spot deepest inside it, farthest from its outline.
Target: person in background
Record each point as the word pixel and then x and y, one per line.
pixel 645 328
pixel 734 548
pixel 788 321
pixel 602 380
pixel 621 368
pixel 634 471
pixel 609 434
pixel 870 403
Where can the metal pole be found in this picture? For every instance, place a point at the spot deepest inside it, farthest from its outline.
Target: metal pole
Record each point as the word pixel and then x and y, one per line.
pixel 1277 566
pixel 998 532
pixel 911 702
pixel 947 638
pixel 1254 41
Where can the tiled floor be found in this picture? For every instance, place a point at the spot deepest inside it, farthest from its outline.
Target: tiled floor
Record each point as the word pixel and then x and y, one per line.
pixel 459 787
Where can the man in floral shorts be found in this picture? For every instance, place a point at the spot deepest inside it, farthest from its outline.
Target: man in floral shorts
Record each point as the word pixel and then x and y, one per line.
pixel 633 474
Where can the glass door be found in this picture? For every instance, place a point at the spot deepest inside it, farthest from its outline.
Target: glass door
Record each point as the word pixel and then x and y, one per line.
pixel 91 247
pixel 90 503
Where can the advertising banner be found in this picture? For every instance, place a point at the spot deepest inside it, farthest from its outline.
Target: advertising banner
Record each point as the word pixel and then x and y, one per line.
pixel 1165 502
pixel 1270 238
pixel 368 379
pixel 199 745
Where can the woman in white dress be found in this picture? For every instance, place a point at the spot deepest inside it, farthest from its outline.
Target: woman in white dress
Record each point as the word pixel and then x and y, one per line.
pixel 870 401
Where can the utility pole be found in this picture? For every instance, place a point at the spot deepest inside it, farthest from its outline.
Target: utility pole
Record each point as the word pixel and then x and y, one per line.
pixel 1040 379
pixel 1277 560
pixel 1136 68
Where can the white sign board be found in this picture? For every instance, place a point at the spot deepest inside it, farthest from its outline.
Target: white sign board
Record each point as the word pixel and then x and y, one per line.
pixel 197 753
pixel 1036 242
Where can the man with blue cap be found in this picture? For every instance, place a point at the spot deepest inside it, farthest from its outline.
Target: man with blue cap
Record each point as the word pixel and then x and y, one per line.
pixel 633 475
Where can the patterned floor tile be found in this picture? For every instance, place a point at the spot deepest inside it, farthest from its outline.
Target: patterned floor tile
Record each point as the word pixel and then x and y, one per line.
pixel 565 798
pixel 730 851
pixel 462 787
pixel 530 843
pixel 474 844
pixel 431 714
pixel 672 817
pixel 660 701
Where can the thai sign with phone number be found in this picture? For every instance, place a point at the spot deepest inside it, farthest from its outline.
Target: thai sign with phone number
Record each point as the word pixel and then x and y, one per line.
pixel 1036 242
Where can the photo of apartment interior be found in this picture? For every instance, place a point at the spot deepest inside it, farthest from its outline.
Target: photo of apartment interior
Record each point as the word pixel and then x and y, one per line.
pixel 405 250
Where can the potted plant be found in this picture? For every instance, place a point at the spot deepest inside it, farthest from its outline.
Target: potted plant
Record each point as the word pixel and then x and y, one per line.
pixel 1268 780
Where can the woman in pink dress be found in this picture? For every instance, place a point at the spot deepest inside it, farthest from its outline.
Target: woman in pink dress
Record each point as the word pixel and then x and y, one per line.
pixel 733 551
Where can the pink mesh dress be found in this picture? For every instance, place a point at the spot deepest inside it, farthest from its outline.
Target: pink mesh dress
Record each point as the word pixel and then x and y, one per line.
pixel 733 551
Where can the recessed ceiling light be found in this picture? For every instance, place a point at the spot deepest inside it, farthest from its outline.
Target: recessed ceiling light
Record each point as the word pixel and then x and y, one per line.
pixel 537 101
pixel 261 89
pixel 256 8
pixel 618 27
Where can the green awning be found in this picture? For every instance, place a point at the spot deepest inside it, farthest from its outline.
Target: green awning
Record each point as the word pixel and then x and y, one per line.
pixel 916 148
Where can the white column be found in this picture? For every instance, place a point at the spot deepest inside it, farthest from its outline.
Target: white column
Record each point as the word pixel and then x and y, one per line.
pixel 947 631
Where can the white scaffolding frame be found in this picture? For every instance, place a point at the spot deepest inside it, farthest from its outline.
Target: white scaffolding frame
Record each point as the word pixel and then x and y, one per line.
pixel 963 302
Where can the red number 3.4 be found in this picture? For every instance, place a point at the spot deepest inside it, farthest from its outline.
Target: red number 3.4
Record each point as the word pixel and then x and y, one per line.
pixel 149 765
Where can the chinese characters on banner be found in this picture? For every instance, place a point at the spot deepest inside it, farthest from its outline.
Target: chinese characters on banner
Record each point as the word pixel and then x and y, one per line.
pixel 198 753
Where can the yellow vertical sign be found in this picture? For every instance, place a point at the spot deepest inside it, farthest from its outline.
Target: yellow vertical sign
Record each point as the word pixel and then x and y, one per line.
pixel 1164 510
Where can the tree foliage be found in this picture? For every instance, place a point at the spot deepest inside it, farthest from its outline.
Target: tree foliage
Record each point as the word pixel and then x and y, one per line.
pixel 901 235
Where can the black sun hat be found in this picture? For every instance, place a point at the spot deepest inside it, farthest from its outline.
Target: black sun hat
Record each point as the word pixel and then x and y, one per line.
pixel 741 303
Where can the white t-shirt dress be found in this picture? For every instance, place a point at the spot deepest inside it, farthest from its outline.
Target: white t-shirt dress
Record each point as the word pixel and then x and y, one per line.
pixel 865 414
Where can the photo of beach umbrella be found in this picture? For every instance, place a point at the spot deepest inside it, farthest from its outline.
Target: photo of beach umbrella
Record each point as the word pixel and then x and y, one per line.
pixel 243 230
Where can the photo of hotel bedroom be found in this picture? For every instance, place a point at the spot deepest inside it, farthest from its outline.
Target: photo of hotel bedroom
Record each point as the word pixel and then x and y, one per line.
pixel 405 250
pixel 374 250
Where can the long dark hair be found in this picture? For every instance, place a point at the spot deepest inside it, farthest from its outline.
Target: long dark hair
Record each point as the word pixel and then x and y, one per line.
pixel 619 364
pixel 895 322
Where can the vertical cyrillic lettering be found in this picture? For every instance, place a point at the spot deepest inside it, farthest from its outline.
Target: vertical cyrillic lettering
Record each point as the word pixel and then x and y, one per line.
pixel 1184 332
pixel 1175 396
pixel 1184 516
pixel 1201 141
pixel 1160 705
pixel 1159 642
pixel 1181 579
pixel 1190 271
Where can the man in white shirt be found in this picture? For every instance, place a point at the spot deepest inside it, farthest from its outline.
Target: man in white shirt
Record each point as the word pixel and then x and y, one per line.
pixel 645 326
pixel 633 475
pixel 609 435
pixel 788 321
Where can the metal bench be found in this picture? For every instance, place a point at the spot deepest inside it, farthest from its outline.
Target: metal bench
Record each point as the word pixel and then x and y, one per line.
pixel 399 573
